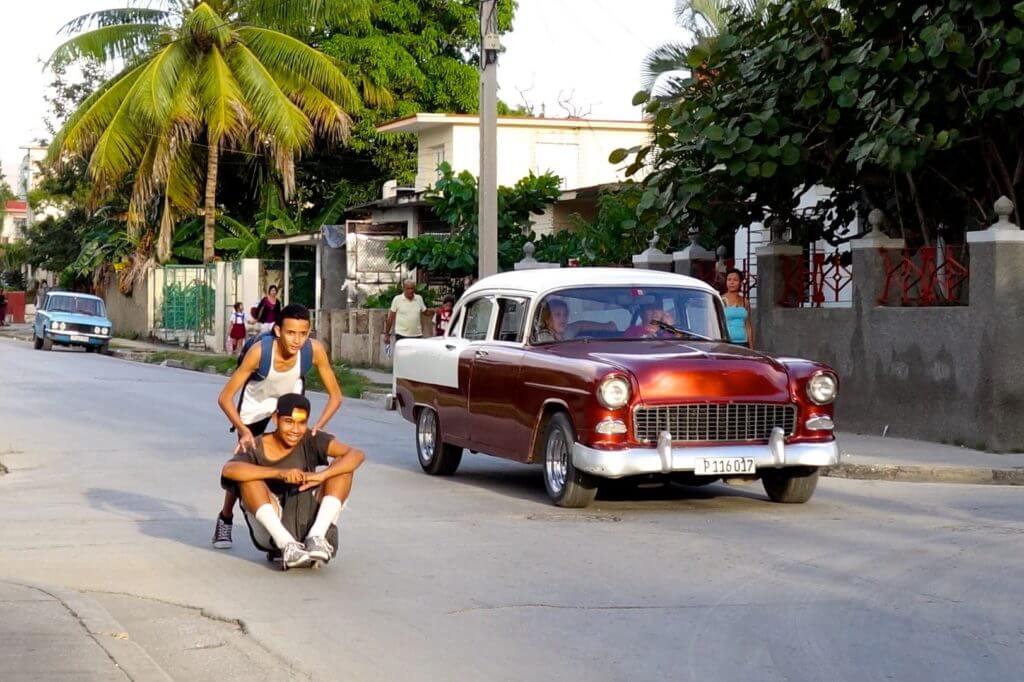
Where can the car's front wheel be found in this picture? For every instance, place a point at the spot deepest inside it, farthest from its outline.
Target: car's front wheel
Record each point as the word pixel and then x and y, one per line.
pixel 47 344
pixel 792 485
pixel 566 486
pixel 37 342
pixel 436 457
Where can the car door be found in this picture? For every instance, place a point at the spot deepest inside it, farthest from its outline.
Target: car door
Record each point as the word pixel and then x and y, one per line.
pixel 497 424
pixel 467 332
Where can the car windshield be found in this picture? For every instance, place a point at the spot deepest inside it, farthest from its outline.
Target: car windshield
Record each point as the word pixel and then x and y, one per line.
pixel 75 304
pixel 626 313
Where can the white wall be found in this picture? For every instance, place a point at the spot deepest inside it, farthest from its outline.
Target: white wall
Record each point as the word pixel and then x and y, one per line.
pixel 428 144
pixel 579 155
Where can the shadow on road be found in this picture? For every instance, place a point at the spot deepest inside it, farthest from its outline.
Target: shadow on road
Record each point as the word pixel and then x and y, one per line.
pixel 526 482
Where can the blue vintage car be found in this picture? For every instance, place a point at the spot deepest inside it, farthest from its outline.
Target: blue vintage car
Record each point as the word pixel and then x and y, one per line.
pixel 70 319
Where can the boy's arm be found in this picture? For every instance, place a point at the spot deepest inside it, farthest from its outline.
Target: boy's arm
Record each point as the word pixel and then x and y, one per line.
pixel 244 472
pixel 226 400
pixel 345 459
pixel 330 381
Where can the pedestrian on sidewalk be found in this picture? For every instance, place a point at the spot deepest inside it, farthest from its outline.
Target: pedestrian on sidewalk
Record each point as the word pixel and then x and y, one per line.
pixel 237 334
pixel 273 365
pixel 3 307
pixel 41 293
pixel 737 310
pixel 268 311
pixel 283 495
pixel 404 316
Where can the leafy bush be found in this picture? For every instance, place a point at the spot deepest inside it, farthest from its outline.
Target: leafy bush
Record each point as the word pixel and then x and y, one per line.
pixel 913 107
pixel 383 299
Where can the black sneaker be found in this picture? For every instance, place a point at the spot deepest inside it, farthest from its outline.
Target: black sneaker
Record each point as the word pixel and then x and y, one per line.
pixel 222 534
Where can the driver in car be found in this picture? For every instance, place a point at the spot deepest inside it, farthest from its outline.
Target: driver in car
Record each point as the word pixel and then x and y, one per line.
pixel 648 327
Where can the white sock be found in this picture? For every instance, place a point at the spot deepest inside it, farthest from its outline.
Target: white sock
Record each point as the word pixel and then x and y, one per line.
pixel 330 510
pixel 268 518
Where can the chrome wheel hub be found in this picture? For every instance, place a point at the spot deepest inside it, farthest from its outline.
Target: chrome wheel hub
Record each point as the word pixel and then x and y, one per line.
pixel 426 435
pixel 556 461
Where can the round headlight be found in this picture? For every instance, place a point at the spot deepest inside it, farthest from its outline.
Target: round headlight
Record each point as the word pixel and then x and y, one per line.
pixel 106 330
pixel 55 325
pixel 97 330
pixel 613 392
pixel 821 389
pixel 63 326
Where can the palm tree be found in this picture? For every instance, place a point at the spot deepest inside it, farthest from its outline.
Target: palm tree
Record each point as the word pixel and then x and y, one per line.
pixel 704 19
pixel 200 78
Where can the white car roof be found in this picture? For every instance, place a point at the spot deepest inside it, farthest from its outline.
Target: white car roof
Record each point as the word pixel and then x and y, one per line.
pixel 546 279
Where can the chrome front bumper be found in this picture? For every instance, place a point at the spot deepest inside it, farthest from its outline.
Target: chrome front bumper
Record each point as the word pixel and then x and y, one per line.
pixel 666 459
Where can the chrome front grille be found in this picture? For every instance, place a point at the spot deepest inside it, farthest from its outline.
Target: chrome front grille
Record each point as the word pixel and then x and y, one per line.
pixel 710 422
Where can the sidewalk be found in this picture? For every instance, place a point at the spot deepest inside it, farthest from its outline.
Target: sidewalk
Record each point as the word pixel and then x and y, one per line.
pixel 901 459
pixel 49 633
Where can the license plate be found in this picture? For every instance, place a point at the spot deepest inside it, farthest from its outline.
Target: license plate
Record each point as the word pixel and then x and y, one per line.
pixel 721 466
pixel 79 337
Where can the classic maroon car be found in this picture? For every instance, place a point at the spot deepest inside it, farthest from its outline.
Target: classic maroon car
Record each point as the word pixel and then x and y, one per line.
pixel 600 373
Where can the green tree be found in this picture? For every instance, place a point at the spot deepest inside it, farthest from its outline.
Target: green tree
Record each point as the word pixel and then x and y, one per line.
pixel 200 78
pixel 911 107
pixel 454 200
pixel 425 53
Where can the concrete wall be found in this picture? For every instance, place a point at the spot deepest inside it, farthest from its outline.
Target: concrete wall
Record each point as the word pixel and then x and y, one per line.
pixel 130 314
pixel 355 336
pixel 951 374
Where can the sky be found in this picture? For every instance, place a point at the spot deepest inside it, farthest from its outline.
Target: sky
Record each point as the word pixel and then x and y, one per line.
pixel 587 53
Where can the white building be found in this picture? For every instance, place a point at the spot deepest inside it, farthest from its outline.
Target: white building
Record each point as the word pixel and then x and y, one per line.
pixel 29 173
pixel 575 149
pixel 15 218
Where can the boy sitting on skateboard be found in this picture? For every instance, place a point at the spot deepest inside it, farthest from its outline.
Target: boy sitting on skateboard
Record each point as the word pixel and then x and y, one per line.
pixel 283 495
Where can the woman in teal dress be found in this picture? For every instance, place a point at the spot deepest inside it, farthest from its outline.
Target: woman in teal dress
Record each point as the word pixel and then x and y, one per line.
pixel 737 310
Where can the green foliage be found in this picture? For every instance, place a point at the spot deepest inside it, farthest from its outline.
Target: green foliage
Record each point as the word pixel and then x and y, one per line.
pixel 209 75
pixel 382 299
pixel 454 199
pixel 424 53
pixel 913 107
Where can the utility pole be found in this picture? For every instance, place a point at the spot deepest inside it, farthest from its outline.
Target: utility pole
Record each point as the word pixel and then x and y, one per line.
pixel 487 223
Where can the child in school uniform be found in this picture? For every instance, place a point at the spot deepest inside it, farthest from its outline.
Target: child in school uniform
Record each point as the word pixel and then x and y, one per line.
pixel 237 333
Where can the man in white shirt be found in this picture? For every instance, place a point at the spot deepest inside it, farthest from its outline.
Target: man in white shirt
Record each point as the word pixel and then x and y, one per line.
pixel 405 314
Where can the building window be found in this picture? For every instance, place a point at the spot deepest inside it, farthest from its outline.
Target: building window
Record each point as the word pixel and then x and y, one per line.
pixel 438 155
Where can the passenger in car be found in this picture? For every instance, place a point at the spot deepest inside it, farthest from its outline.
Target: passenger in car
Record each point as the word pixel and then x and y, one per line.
pixel 554 324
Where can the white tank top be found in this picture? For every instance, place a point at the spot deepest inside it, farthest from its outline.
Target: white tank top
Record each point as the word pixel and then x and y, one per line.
pixel 259 399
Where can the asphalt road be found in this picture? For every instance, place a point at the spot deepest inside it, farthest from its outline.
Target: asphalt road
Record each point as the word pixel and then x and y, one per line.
pixel 113 488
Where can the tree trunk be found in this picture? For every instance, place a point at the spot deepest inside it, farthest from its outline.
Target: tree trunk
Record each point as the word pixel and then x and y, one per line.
pixel 166 233
pixel 210 202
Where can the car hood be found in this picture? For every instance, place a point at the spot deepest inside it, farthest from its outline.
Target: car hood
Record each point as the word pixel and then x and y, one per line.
pixel 679 371
pixel 78 318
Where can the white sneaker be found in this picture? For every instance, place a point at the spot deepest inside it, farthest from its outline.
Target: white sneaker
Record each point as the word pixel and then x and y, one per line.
pixel 294 555
pixel 319 548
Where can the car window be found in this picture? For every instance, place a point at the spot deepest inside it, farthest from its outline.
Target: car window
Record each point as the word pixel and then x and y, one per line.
pixel 455 326
pixel 477 319
pixel 511 317
pixel 74 304
pixel 625 313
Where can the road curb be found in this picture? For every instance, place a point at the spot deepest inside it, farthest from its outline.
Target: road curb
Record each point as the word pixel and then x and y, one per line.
pixel 914 473
pixel 105 631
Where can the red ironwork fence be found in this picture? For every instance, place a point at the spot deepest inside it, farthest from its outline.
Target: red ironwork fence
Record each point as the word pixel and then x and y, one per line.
pixel 814 280
pixel 928 276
